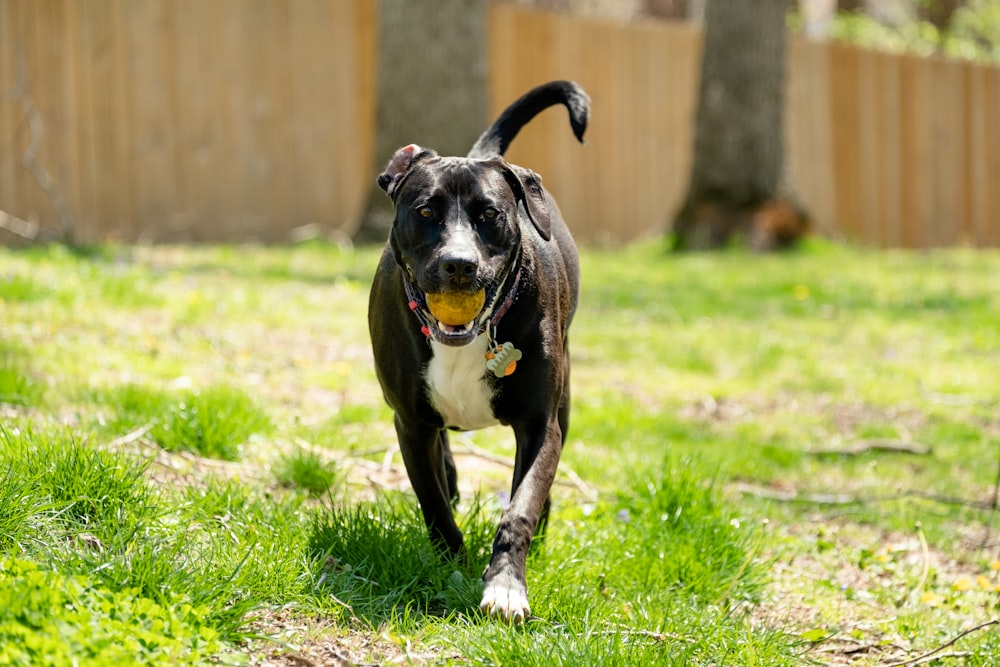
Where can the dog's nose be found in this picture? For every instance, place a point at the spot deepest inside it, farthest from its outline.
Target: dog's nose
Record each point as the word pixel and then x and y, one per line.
pixel 458 271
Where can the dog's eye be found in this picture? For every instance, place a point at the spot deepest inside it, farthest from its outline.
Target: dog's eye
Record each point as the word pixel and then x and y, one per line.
pixel 425 212
pixel 490 213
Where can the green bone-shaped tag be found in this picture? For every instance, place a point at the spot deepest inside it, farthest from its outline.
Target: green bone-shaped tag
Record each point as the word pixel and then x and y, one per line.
pixel 501 360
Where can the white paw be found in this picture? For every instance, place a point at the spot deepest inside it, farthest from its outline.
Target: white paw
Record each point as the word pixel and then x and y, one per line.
pixel 508 604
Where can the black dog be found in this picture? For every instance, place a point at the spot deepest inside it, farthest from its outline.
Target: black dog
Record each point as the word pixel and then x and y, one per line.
pixel 479 226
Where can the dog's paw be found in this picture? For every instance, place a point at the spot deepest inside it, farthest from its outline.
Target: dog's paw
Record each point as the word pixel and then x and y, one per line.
pixel 506 602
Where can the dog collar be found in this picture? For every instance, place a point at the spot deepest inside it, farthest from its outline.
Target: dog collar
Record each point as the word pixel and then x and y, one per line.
pixel 500 358
pixel 428 325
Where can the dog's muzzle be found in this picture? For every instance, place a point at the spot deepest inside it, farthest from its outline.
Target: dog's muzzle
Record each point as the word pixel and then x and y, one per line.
pixel 498 300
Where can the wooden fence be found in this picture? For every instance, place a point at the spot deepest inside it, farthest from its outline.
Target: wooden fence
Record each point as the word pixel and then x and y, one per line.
pixel 174 120
pixel 883 149
pixel 196 120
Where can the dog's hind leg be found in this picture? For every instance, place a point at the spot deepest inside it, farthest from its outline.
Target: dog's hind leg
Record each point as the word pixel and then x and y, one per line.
pixel 563 417
pixel 432 474
pixel 450 471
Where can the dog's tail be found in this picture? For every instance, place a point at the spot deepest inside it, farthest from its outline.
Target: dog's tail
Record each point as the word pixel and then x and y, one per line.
pixel 494 141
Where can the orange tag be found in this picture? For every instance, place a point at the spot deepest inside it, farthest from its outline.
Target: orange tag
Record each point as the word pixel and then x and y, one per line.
pixel 502 359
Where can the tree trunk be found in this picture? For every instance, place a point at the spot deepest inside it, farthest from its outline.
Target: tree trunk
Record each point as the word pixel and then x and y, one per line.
pixel 431 87
pixel 737 186
pixel 665 9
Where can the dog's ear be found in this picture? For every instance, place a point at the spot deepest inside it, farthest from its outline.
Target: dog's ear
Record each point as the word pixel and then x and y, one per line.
pixel 527 187
pixel 400 165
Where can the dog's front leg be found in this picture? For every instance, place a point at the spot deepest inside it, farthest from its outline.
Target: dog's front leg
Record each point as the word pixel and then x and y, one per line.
pixel 505 590
pixel 432 475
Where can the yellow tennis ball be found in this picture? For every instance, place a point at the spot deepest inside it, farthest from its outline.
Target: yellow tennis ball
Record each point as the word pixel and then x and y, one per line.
pixel 456 308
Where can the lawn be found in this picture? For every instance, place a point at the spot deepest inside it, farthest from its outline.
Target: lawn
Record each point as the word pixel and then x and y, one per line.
pixel 772 460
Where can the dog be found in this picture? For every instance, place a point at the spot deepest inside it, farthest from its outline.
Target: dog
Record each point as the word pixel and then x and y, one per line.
pixel 479 230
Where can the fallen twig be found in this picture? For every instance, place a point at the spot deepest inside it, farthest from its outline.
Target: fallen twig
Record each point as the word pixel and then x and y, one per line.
pixel 26 229
pixel 933 655
pixel 565 470
pixel 350 456
pixel 939 656
pixel 374 481
pixel 479 453
pixel 298 659
pixel 794 496
pixel 194 459
pixel 926 557
pixel 841 499
pixel 29 160
pixel 875 445
pixel 628 632
pixel 996 487
pixel 625 631
pixel 584 488
pixel 387 459
pixel 129 438
pixel 858 648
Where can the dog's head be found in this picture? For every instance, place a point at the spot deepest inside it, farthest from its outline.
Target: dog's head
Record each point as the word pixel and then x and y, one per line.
pixel 459 225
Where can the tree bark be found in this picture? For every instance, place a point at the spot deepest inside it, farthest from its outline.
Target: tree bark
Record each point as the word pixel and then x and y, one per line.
pixel 665 9
pixel 431 87
pixel 737 186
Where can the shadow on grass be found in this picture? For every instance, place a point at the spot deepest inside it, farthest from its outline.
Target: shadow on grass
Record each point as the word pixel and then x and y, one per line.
pixel 376 559
pixel 663 574
pixel 669 533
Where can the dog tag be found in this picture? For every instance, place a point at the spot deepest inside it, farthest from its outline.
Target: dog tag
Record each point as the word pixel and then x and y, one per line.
pixel 501 359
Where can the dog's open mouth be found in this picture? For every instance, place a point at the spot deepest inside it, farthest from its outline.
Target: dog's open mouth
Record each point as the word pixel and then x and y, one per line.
pixel 461 316
pixel 460 333
pixel 451 333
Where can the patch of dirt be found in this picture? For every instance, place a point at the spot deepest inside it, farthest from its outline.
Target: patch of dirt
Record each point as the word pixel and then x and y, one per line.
pixel 480 471
pixel 845 418
pixel 846 593
pixel 317 642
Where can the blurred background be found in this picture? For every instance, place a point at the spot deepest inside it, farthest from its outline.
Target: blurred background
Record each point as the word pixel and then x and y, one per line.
pixel 268 120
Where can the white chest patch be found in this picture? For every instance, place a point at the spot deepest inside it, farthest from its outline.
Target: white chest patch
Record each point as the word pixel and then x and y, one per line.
pixel 456 383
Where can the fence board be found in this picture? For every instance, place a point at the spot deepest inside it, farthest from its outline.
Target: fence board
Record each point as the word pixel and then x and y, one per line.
pixel 52 97
pixel 889 145
pixel 190 120
pixel 871 187
pixel 975 123
pixel 914 130
pixel 199 76
pixel 96 55
pixel 8 147
pixel 809 146
pixel 10 116
pixel 949 164
pixel 845 107
pixel 985 153
pixel 174 120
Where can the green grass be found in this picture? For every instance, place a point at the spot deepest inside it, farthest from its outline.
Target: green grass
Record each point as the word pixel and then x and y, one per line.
pixel 213 422
pixel 47 618
pixel 17 384
pixel 307 470
pixel 196 465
